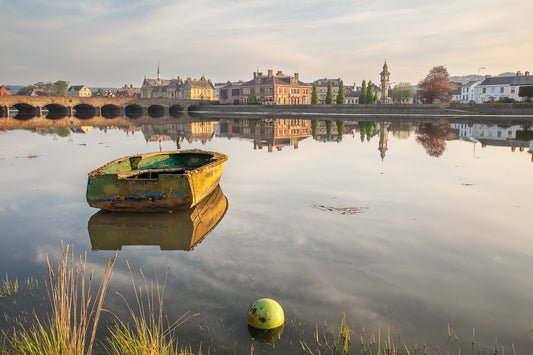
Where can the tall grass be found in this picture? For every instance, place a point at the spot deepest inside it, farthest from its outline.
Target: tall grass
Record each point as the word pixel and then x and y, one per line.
pixel 149 331
pixel 71 326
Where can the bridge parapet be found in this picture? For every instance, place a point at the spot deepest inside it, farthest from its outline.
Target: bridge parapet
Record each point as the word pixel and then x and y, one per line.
pixel 92 106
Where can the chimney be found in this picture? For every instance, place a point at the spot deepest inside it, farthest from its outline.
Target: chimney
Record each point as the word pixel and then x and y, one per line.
pixel 487 76
pixel 255 74
pixel 297 76
pixel 270 73
pixel 526 73
pixel 518 73
pixel 279 73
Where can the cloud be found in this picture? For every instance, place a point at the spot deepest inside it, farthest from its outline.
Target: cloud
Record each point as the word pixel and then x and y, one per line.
pixel 113 42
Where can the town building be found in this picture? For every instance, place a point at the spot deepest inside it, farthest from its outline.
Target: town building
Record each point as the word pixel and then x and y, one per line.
pixel 79 91
pixel 192 89
pixel 496 88
pixel 468 91
pixel 270 89
pixel 5 91
pixel 128 91
pixel 351 96
pixel 322 89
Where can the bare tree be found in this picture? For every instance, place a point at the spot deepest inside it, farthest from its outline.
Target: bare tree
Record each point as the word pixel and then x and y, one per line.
pixel 435 87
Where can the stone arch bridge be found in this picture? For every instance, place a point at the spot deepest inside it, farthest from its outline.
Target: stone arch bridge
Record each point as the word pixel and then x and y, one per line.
pixel 88 107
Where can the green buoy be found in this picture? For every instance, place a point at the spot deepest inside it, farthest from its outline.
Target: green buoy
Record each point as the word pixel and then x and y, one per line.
pixel 265 313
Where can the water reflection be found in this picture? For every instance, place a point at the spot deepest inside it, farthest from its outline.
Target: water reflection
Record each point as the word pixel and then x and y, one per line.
pixel 181 230
pixel 277 134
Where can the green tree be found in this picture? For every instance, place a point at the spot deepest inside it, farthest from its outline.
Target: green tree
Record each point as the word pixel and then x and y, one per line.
pixel 252 100
pixel 340 95
pixel 369 93
pixel 340 129
pixel 376 97
pixel 526 91
pixel 60 87
pixel 329 94
pixel 314 95
pixel 329 126
pixel 314 127
pixel 402 92
pixel 362 94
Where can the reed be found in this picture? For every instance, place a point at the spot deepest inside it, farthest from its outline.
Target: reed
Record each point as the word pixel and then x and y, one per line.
pixel 149 332
pixel 71 325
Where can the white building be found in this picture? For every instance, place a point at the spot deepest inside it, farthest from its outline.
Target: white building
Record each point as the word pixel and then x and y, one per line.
pixel 468 91
pixel 502 87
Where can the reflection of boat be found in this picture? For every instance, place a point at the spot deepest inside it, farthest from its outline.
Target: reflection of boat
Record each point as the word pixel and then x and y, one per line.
pixel 181 230
pixel 155 182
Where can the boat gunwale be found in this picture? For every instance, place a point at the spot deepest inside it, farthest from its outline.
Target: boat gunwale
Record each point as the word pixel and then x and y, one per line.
pixel 216 158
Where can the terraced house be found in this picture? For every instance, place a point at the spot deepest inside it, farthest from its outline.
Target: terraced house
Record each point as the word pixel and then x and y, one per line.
pixel 193 89
pixel 270 89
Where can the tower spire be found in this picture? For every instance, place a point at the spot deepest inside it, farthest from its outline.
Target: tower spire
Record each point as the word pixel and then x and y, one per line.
pixel 158 74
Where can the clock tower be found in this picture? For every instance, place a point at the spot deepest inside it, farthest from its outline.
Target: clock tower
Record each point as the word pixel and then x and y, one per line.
pixel 384 83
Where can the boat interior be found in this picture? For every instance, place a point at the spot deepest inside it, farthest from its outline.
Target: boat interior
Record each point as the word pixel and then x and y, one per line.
pixel 151 166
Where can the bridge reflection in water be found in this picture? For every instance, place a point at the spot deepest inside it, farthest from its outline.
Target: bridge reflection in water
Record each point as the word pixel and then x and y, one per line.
pixel 180 230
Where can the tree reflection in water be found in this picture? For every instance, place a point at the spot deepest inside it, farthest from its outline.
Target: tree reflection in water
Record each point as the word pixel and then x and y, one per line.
pixel 433 138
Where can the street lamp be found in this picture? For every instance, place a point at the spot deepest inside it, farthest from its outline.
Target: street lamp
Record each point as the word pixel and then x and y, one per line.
pixel 479 69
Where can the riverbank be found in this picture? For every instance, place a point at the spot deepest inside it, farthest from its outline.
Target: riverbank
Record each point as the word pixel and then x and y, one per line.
pixel 510 113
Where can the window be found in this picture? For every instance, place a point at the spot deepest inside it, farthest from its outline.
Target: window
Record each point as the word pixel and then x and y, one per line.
pixel 223 94
pixel 484 90
pixel 502 90
pixel 246 91
pixel 257 91
pixel 235 92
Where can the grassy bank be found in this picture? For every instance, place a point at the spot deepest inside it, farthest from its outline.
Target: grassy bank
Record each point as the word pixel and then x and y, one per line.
pixel 77 305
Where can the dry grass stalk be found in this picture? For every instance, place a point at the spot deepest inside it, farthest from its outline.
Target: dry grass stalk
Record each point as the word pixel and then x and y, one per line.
pixel 71 327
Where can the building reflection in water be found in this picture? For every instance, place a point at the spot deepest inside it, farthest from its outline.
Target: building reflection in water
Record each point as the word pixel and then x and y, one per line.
pixel 270 133
pixel 180 230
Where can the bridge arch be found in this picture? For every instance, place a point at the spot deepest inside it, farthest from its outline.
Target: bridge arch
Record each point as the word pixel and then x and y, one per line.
pixel 111 111
pixel 56 111
pixel 156 111
pixel 134 111
pixel 176 110
pixel 25 111
pixel 85 111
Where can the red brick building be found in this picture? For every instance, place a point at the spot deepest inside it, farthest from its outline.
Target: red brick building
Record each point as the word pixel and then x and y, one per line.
pixel 270 89
pixel 5 91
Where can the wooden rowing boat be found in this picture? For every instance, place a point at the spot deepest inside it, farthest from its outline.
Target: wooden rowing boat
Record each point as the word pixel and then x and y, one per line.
pixel 155 182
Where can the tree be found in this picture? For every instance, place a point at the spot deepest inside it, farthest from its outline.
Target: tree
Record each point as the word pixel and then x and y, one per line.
pixel 329 94
pixel 60 87
pixel 314 95
pixel 340 95
pixel 526 91
pixel 340 129
pixel 402 93
pixel 362 94
pixel 314 127
pixel 329 126
pixel 435 87
pixel 252 100
pixel 369 93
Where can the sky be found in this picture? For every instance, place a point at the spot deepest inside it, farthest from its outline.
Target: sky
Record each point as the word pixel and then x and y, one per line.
pixel 110 43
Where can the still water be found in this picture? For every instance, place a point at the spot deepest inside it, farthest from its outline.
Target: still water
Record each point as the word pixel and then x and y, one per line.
pixel 411 228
